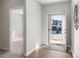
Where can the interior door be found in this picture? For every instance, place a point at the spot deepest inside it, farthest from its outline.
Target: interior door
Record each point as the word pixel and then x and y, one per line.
pixel 64 30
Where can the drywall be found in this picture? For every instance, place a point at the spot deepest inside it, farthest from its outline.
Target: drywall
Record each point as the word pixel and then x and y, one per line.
pixel 5 30
pixel 53 9
pixel 33 25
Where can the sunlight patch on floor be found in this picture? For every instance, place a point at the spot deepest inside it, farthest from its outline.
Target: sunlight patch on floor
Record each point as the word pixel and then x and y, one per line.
pixel 56 41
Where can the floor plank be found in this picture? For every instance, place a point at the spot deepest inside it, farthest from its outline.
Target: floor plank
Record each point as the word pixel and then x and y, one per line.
pixel 46 53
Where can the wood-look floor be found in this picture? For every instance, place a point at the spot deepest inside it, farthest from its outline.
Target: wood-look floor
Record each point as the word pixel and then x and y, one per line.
pixel 40 53
pixel 46 53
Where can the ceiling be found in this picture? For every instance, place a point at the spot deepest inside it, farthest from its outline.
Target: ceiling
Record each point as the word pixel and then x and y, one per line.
pixel 44 2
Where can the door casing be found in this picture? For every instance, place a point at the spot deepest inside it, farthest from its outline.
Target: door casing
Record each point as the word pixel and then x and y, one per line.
pixel 49 16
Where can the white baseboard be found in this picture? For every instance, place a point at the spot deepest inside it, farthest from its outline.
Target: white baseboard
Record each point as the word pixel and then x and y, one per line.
pixel 34 49
pixel 30 52
pixel 66 45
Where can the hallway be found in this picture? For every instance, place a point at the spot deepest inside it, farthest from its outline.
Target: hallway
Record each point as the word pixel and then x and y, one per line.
pixel 48 28
pixel 43 52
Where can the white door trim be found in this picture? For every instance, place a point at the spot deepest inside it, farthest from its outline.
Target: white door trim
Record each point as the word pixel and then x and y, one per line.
pixel 60 13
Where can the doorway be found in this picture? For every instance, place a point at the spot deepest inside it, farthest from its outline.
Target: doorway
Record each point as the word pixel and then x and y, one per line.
pixel 16 30
pixel 57 31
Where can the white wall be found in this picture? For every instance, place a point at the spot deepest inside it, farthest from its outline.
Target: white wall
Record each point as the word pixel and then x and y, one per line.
pixel 33 24
pixel 5 30
pixel 53 9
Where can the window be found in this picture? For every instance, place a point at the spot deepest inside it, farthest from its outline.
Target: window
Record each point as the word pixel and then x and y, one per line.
pixel 56 24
